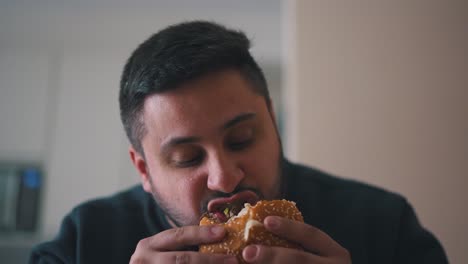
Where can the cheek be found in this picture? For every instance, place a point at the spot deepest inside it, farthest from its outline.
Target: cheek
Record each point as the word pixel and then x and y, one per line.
pixel 269 149
pixel 183 190
pixel 262 163
pixel 190 189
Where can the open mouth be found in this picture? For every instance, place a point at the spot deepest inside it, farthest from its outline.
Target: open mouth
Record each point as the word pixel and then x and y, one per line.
pixel 229 211
pixel 225 208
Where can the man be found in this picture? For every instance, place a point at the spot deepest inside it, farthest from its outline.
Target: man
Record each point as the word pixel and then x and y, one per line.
pixel 196 109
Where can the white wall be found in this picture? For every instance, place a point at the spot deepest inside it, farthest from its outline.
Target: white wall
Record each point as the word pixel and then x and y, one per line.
pixel 60 65
pixel 378 91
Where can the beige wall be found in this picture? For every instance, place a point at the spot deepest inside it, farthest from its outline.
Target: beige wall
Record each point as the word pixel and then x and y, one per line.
pixel 379 92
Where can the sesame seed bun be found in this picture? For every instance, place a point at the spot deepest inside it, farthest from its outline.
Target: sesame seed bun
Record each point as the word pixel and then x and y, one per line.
pixel 247 228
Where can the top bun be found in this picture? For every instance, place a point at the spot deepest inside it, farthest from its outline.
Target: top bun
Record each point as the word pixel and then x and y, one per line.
pixel 247 228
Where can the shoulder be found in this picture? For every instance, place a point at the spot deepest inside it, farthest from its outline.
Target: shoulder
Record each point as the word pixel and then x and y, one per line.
pixel 373 223
pixel 106 219
pixel 335 195
pixel 119 203
pixel 93 229
pixel 301 176
pixel 352 212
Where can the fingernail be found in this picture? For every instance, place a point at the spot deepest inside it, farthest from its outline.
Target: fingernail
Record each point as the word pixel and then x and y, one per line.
pixel 230 260
pixel 250 253
pixel 272 222
pixel 217 230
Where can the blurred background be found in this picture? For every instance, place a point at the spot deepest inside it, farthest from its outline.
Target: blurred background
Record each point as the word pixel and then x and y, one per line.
pixel 371 90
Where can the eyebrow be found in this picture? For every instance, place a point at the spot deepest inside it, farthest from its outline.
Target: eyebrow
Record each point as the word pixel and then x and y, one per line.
pixel 185 140
pixel 238 119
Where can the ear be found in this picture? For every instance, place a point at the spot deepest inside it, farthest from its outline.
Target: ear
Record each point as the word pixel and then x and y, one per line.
pixel 140 165
pixel 271 109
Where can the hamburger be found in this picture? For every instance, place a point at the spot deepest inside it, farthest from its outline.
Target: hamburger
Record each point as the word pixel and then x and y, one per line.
pixel 244 226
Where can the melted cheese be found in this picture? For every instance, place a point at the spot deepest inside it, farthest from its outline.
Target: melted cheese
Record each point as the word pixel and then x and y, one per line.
pixel 250 223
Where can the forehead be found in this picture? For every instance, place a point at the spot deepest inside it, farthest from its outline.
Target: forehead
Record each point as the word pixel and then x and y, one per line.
pixel 200 105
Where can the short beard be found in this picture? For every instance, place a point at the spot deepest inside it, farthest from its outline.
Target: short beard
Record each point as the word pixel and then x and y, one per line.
pixel 170 212
pixel 173 215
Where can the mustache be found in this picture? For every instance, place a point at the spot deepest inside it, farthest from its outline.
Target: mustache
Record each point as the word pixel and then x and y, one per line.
pixel 204 203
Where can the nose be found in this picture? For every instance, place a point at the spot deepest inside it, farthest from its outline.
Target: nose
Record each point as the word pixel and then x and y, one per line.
pixel 224 173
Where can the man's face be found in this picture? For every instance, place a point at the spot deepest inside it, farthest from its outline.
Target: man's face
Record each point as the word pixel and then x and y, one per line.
pixel 209 138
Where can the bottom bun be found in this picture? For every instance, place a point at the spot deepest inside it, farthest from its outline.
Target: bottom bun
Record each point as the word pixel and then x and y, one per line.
pixel 247 228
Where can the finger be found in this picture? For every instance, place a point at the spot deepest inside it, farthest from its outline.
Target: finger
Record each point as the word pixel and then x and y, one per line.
pixel 265 254
pixel 186 257
pixel 179 238
pixel 310 238
pixel 183 257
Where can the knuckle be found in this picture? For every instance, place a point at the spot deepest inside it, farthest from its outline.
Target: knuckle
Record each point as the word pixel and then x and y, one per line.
pixel 178 234
pixel 182 258
pixel 142 244
pixel 311 231
pixel 136 259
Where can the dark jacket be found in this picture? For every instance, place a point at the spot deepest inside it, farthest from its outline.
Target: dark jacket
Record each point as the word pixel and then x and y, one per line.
pixel 374 225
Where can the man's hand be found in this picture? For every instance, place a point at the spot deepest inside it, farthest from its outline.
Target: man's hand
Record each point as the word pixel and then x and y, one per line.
pixel 165 247
pixel 318 246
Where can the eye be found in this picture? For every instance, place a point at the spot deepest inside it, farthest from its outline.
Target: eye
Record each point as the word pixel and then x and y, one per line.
pixel 240 139
pixel 188 163
pixel 186 157
pixel 239 145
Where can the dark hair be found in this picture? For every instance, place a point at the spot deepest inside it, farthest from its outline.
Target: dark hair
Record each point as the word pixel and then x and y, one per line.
pixel 177 54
